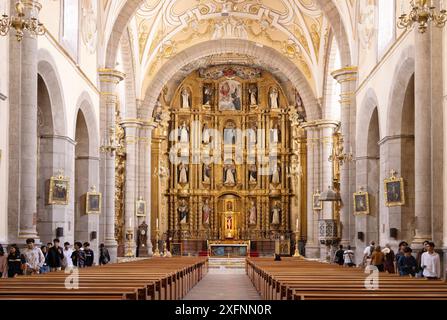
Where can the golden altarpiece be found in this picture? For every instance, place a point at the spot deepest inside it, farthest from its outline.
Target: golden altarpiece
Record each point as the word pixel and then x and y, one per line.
pixel 228 160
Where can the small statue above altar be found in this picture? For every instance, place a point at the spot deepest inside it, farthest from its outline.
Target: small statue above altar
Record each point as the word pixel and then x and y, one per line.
pixel 252 212
pixel 274 98
pixel 183 211
pixel 206 211
pixel 185 99
pixel 276 212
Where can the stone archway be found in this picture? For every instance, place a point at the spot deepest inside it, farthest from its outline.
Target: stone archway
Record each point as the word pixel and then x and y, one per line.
pixel 398 147
pixel 283 68
pixel 368 169
pixel 130 7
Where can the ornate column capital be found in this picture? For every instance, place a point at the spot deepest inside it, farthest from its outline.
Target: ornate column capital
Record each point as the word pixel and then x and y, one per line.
pixel 345 74
pixel 321 123
pixel 111 75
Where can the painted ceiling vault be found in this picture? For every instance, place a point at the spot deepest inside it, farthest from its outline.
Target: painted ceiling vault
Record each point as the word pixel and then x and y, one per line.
pixel 297 29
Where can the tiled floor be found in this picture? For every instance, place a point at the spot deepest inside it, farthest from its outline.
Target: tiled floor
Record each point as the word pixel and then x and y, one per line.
pixel 224 284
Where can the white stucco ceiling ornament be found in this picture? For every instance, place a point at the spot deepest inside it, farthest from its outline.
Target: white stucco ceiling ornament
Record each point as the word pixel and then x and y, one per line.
pixel 367 22
pixel 89 27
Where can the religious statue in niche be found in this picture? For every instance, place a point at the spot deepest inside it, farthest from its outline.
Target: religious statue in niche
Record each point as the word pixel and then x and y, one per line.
pixel 230 134
pixel 185 99
pixel 206 212
pixel 207 95
pixel 275 134
pixel 276 213
pixel 183 211
pixel 158 112
pixel 206 137
pixel 300 107
pixel 183 174
pixel 252 213
pixel 252 136
pixel 184 133
pixel 206 174
pixel 229 174
pixel 253 92
pixel 252 174
pixel 230 95
pixel 273 98
pixel 276 174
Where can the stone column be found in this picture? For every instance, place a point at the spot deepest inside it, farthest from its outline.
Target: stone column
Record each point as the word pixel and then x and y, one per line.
pixel 422 141
pixel 28 131
pixel 131 128
pixel 145 174
pixel 109 80
pixel 347 77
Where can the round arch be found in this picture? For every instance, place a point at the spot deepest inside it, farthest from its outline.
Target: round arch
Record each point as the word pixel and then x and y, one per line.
pixel 276 63
pixel 402 75
pixel 129 8
pixel 85 105
pixel 366 112
pixel 46 68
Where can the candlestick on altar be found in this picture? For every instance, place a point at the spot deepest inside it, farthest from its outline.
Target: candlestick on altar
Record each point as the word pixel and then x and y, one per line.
pixel 157 251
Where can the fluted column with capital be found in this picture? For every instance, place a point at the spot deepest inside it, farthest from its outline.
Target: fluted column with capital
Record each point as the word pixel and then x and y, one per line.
pixel 347 77
pixel 109 80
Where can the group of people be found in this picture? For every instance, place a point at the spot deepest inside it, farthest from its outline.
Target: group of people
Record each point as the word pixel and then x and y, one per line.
pixel 48 258
pixel 426 264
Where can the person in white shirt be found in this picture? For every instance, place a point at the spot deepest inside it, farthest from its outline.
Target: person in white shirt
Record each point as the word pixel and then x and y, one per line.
pixel 34 258
pixel 431 263
pixel 68 263
pixel 348 257
pixel 367 253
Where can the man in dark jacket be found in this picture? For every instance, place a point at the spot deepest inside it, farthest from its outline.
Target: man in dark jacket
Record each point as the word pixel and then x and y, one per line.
pixel 78 256
pixel 104 256
pixel 55 256
pixel 89 256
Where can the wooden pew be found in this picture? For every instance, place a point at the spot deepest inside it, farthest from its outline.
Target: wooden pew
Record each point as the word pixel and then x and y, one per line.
pixel 155 278
pixel 304 280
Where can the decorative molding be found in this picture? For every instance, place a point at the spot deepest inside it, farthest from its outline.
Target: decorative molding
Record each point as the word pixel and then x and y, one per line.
pixel 57 137
pixel 395 137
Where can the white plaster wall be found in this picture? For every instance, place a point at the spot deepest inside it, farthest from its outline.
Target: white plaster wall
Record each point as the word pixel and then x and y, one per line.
pixel 73 84
pixel 380 80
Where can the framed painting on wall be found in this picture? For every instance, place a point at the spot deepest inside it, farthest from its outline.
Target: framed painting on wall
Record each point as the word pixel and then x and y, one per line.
pixel 394 191
pixel 59 190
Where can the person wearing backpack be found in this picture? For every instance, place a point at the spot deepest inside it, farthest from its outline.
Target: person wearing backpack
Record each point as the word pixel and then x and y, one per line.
pixel 339 258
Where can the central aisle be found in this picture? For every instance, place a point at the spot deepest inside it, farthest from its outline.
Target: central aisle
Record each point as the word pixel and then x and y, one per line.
pixel 224 284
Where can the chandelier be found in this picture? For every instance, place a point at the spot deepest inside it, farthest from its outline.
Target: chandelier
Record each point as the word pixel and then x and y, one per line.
pixel 21 23
pixel 422 13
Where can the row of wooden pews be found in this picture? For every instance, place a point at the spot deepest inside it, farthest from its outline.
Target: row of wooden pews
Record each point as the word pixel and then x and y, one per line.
pixel 293 279
pixel 151 279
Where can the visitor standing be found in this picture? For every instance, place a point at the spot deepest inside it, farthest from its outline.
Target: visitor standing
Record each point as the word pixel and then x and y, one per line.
pixel 16 262
pixel 78 256
pixel 348 257
pixel 431 263
pixel 55 256
pixel 89 255
pixel 3 263
pixel 45 268
pixel 104 256
pixel 339 259
pixel 378 258
pixel 68 251
pixel 34 258
pixel 390 258
pixel 407 264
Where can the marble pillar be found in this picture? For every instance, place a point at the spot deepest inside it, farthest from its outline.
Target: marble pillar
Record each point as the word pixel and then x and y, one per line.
pixel 27 213
pixel 422 164
pixel 109 80
pixel 347 77
pixel 131 128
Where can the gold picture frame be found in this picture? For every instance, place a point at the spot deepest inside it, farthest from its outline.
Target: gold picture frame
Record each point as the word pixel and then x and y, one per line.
pixel 140 208
pixel 361 202
pixel 316 203
pixel 93 202
pixel 394 191
pixel 59 190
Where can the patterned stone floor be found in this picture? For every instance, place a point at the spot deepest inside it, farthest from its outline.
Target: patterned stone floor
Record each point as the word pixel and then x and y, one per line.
pixel 224 284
